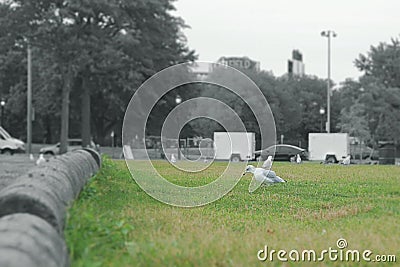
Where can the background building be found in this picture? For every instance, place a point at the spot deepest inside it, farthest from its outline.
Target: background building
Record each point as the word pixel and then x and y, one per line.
pixel 201 70
pixel 244 63
pixel 240 63
pixel 295 65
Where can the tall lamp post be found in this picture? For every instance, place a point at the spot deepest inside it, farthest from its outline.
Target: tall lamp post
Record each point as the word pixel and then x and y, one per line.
pixel 178 100
pixel 329 34
pixel 2 103
pixel 29 101
pixel 321 112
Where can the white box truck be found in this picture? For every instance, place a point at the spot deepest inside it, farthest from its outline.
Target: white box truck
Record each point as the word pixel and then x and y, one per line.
pixel 330 147
pixel 235 146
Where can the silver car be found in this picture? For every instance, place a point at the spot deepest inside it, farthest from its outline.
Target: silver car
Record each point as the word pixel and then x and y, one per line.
pixel 73 144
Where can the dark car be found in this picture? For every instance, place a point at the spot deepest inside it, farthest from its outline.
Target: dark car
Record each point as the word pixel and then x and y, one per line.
pixel 363 151
pixel 283 152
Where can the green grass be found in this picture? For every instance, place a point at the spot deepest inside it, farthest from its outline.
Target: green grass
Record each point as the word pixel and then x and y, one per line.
pixel 115 223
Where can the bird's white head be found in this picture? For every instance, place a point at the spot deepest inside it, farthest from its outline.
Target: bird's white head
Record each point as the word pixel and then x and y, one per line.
pixel 269 158
pixel 249 168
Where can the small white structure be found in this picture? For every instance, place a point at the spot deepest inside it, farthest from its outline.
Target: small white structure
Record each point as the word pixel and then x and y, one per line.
pixel 31 158
pixel 128 152
pixel 173 159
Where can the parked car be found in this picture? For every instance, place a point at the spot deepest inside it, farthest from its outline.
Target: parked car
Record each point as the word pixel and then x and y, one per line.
pixel 358 150
pixel 283 152
pixel 8 144
pixel 73 144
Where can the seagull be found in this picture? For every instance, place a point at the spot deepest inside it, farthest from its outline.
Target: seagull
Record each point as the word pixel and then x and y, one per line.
pixel 268 163
pixel 346 161
pixel 173 159
pixel 40 160
pixel 264 176
pixel 298 159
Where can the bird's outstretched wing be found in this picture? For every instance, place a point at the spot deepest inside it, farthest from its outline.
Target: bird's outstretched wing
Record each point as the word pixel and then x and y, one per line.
pixel 254 184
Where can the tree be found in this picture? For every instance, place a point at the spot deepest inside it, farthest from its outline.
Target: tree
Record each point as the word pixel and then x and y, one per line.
pixel 382 112
pixel 307 96
pixel 354 122
pixel 100 51
pixel 382 62
pixel 294 102
pixel 381 89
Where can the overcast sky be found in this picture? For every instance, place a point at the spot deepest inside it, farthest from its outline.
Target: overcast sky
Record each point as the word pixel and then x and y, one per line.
pixel 268 31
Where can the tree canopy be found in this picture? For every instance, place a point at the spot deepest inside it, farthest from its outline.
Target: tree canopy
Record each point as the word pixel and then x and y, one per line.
pixel 98 50
pixel 89 57
pixel 371 106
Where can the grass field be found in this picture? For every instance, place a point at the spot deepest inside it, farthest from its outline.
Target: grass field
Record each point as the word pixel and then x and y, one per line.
pixel 115 223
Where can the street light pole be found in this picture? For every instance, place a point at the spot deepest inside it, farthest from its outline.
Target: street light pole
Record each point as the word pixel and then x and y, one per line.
pixel 178 100
pixel 29 103
pixel 329 34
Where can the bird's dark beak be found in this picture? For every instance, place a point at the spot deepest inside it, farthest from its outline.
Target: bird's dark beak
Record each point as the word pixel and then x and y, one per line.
pixel 244 174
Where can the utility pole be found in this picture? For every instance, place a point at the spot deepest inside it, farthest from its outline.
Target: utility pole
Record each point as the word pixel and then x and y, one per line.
pixel 29 102
pixel 329 34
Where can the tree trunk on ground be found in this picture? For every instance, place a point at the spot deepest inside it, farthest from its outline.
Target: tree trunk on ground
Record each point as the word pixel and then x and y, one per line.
pixel 65 111
pixel 85 113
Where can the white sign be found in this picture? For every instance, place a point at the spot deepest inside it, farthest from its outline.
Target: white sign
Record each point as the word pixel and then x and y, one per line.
pixel 128 152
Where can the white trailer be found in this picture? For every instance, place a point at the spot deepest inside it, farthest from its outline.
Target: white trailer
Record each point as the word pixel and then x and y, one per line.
pixel 235 146
pixel 330 147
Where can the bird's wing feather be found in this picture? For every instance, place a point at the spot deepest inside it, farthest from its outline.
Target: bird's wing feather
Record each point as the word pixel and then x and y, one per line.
pixel 272 177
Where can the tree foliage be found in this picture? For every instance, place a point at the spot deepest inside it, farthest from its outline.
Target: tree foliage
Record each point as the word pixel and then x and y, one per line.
pixel 295 104
pixel 354 122
pixel 104 47
pixel 382 62
pixel 371 106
